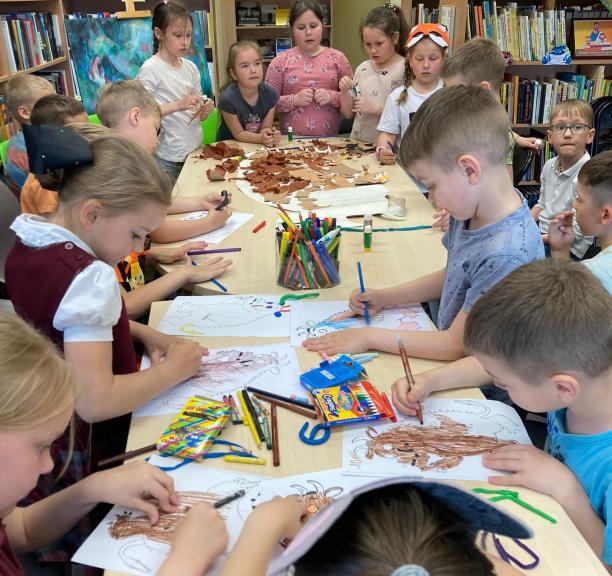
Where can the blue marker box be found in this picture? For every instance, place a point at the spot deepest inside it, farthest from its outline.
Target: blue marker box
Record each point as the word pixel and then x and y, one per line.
pixel 342 370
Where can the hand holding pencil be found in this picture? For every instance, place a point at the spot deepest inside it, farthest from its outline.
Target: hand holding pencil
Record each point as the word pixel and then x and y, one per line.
pixel 374 298
pixel 409 376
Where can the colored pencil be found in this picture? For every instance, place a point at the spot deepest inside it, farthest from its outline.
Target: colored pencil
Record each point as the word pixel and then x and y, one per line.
pixel 409 376
pixel 275 452
pixel 246 419
pixel 228 499
pixel 244 460
pixel 290 407
pixel 235 409
pixel 128 455
pixel 362 288
pixel 218 284
pixel 252 414
pixel 213 251
pixel 295 401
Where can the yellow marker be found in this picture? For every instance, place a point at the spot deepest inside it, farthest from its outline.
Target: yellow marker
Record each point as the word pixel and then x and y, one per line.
pixel 247 421
pixel 283 245
pixel 244 460
pixel 287 221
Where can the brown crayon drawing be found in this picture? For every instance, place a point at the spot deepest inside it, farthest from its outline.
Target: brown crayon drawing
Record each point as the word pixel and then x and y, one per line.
pixel 316 496
pixel 449 443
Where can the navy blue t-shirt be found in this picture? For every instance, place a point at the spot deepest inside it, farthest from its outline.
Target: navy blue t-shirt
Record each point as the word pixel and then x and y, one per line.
pixel 251 117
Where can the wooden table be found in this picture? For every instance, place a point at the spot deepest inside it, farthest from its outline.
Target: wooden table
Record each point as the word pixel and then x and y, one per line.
pixel 397 256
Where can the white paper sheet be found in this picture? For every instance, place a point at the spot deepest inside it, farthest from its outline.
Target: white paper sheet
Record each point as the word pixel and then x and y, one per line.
pixel 232 224
pixel 312 319
pixel 436 448
pixel 247 315
pixel 140 555
pixel 273 368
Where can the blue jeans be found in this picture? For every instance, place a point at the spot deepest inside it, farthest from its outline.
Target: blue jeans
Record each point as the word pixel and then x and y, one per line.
pixel 173 169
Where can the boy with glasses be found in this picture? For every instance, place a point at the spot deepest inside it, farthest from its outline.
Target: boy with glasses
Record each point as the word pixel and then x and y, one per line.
pixel 570 131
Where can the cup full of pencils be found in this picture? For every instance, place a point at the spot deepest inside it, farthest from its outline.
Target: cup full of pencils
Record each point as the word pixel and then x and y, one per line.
pixel 308 252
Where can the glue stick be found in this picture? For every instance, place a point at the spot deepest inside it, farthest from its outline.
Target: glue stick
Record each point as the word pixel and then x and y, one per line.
pixel 289 134
pixel 367 239
pixel 367 220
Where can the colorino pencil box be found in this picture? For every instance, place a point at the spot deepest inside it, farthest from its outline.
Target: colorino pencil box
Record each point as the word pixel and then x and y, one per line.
pixel 192 432
pixel 331 373
pixel 350 403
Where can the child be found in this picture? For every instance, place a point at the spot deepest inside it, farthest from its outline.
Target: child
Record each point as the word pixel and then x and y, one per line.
pixel 427 44
pixel 491 231
pixel 126 106
pixel 22 92
pixel 246 103
pixel 593 207
pixel 392 526
pixel 51 109
pixel 60 276
pixel 569 133
pixel 174 81
pixel 307 76
pixel 37 394
pixel 383 34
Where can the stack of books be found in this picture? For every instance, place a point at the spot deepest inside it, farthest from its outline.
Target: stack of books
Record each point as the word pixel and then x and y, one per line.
pixel 30 39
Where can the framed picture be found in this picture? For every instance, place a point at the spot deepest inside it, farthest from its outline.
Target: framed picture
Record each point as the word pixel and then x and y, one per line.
pixel 592 38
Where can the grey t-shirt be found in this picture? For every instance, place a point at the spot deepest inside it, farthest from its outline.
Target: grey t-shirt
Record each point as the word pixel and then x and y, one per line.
pixel 251 117
pixel 479 259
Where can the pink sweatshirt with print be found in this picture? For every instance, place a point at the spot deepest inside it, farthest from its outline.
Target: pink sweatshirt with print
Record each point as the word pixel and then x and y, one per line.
pixel 293 71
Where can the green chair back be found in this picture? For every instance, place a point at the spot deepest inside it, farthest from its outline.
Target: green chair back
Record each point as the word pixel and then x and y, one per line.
pixel 93 118
pixel 209 127
pixel 3 154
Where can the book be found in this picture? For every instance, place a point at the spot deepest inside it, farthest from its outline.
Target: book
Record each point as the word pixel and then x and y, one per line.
pixel 6 39
pixel 282 16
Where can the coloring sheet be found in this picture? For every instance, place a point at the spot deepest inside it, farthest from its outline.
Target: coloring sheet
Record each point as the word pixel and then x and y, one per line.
pixel 313 319
pixel 246 316
pixel 232 224
pixel 273 368
pixel 126 542
pixel 449 445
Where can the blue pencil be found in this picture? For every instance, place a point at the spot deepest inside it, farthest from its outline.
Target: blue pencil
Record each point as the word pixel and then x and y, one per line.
pixel 218 284
pixel 362 288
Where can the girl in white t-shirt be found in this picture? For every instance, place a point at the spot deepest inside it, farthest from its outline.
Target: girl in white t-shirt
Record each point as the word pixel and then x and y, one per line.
pixel 427 44
pixel 174 82
pixel 383 34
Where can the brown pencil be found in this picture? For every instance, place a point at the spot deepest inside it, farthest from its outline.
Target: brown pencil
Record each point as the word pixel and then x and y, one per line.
pixel 128 455
pixel 302 411
pixel 409 376
pixel 275 452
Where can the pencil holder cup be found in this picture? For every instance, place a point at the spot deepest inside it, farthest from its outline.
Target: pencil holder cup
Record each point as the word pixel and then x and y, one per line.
pixel 306 264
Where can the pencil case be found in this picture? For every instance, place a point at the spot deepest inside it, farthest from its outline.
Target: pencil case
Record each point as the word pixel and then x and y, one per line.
pixel 193 430
pixel 350 403
pixel 331 373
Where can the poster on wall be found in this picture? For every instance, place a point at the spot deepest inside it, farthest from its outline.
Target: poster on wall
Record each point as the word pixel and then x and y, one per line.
pixel 107 49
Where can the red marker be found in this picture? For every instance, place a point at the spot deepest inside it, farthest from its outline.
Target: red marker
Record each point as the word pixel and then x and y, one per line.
pixel 259 226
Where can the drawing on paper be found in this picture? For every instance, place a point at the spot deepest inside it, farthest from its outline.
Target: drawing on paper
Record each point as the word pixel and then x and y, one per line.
pixel 316 495
pixel 314 319
pixel 454 435
pixel 225 371
pixel 226 316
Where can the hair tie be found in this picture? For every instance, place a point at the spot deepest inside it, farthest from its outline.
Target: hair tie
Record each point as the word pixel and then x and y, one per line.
pixel 410 570
pixel 55 147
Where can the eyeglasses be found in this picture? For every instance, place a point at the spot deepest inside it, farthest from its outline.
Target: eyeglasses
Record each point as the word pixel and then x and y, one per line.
pixel 575 128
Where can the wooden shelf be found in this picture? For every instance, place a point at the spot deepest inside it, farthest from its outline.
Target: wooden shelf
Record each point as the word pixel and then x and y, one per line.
pixel 269 27
pixel 577 62
pixel 55 62
pixel 530 126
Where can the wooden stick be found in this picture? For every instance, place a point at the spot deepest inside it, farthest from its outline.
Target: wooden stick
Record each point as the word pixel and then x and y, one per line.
pixel 275 452
pixel 128 455
pixel 301 411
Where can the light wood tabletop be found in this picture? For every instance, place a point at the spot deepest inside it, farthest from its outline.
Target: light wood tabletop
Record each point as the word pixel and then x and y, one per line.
pixel 396 257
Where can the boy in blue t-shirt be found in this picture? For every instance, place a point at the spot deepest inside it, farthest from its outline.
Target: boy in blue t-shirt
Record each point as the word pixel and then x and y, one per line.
pixel 544 334
pixel 455 145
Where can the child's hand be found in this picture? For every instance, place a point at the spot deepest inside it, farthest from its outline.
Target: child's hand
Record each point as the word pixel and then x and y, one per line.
pixel 188 102
pixel 136 486
pixel 206 109
pixel 303 97
pixel 215 198
pixel 267 137
pixel 374 298
pixel 561 231
pixel 441 219
pixel 365 106
pixel 407 402
pixel 204 272
pixel 386 156
pixel 351 341
pixel 184 359
pixel 528 142
pixel 285 516
pixel 218 218
pixel 157 344
pixel 169 254
pixel 198 539
pixel 276 137
pixel 530 467
pixel 322 96
pixel 345 84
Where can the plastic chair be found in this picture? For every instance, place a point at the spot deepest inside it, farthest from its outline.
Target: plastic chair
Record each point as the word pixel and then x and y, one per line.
pixel 93 118
pixel 3 151
pixel 521 159
pixel 9 210
pixel 209 127
pixel 602 122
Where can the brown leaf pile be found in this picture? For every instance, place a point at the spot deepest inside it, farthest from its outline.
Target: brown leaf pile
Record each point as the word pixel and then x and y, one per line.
pixel 220 151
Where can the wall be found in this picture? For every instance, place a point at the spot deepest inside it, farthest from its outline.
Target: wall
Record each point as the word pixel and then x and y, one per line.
pixel 347 15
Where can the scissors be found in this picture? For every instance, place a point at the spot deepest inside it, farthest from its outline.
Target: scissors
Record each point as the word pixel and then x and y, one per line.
pixel 319 434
